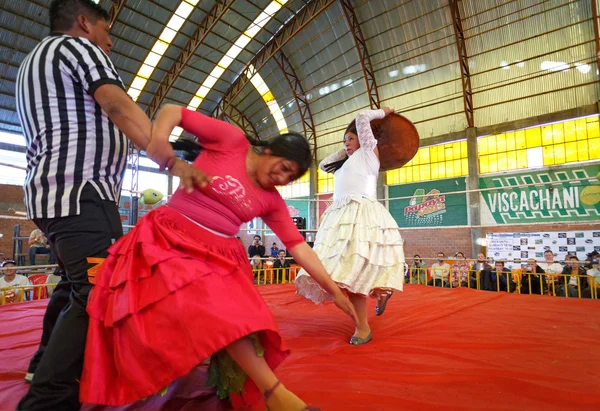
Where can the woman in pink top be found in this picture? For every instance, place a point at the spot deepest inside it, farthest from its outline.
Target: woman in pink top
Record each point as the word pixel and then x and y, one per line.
pixel 179 288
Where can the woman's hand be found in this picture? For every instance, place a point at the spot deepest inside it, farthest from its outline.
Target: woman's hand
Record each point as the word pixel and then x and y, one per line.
pixel 160 151
pixel 159 148
pixel 387 111
pixel 343 303
pixel 189 176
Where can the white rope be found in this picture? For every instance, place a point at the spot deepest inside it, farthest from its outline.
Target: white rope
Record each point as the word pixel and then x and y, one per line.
pixel 21 268
pixel 477 190
pixel 13 166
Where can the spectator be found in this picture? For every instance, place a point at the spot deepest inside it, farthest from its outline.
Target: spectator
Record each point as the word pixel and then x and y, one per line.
pixel 256 263
pixel 38 244
pixel 533 280
pixel 551 268
pixel 460 271
pixel 12 279
pixel 418 271
pixel 53 278
pixel 481 274
pixel 257 247
pixel 274 250
pixel 576 283
pixel 257 269
pixel 281 265
pixel 440 272
pixel 593 273
pixel 502 281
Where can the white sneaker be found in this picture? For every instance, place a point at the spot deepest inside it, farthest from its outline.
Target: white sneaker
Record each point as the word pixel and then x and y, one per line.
pixel 28 377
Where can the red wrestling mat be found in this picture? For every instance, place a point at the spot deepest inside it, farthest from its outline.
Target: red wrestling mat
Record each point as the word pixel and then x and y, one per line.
pixel 433 349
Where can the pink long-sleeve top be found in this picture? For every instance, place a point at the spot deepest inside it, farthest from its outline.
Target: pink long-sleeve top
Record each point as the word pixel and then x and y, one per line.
pixel 231 198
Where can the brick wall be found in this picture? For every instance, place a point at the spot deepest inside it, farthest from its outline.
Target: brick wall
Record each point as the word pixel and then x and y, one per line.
pixel 428 242
pixel 11 197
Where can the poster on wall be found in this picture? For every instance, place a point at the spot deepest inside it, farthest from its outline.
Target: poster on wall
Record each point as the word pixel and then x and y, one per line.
pixel 252 227
pixel 427 204
pixel 325 200
pixel 519 247
pixel 297 207
pixel 555 199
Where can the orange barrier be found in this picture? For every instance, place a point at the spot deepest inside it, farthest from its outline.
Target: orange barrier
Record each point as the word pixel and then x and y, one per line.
pixel 39 292
pixel 515 281
pixel 520 283
pixel 271 275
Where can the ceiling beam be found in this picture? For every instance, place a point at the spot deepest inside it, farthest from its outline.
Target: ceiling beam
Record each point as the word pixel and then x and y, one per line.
pixel 363 53
pixel 596 32
pixel 289 30
pixel 115 10
pixel 463 62
pixel 235 116
pixel 295 84
pixel 204 28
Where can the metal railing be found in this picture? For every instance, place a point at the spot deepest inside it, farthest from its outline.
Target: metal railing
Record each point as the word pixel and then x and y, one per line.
pixel 516 281
pixel 513 281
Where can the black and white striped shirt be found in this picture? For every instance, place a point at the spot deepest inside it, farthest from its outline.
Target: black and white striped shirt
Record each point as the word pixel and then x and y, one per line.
pixel 70 139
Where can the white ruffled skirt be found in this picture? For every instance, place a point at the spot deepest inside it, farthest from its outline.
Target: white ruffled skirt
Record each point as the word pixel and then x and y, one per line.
pixel 360 245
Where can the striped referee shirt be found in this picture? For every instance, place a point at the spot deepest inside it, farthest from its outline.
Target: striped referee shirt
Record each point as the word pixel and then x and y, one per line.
pixel 70 139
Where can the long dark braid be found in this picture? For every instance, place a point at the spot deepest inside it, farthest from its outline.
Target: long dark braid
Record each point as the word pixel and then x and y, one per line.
pixel 292 146
pixel 189 150
pixel 336 165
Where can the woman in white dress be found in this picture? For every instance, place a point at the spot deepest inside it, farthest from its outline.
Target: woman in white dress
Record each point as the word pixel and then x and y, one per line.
pixel 359 242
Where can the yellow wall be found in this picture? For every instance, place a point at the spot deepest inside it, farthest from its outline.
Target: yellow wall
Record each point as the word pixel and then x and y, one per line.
pixel 433 163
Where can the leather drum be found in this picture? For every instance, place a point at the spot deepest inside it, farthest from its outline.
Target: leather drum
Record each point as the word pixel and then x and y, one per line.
pixel 397 140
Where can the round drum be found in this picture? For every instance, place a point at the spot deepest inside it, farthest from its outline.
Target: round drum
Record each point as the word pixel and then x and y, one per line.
pixel 397 140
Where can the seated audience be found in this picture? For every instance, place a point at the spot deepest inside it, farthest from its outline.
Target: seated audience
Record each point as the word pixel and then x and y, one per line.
pixel 593 272
pixel 12 279
pixel 417 272
pixel 258 269
pixel 53 278
pixel 576 283
pixel 481 273
pixel 502 278
pixel 38 244
pixel 281 265
pixel 460 271
pixel 440 272
pixel 533 280
pixel 552 269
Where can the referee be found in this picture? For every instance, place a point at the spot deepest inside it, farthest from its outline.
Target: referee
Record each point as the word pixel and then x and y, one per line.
pixel 75 115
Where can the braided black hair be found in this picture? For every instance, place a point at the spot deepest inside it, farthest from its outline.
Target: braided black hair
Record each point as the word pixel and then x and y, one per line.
pixel 291 146
pixel 336 165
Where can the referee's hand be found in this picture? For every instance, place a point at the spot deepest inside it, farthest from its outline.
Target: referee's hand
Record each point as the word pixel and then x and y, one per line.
pixel 189 176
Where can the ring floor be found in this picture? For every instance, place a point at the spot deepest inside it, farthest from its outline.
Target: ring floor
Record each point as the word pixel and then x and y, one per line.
pixel 433 349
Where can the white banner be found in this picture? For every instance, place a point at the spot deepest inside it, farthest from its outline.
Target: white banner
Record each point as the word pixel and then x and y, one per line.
pixel 522 246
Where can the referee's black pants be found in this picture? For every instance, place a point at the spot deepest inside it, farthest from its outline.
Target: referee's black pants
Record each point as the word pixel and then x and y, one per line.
pixel 75 239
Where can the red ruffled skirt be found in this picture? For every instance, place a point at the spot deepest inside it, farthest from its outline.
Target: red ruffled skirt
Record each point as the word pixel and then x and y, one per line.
pixel 169 295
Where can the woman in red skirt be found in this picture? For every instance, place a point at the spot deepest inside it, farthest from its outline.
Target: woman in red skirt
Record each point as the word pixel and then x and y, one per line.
pixel 179 288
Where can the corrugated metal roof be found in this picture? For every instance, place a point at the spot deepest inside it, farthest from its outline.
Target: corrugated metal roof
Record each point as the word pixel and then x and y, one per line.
pixel 515 51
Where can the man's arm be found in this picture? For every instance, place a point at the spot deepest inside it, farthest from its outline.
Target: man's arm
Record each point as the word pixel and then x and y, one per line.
pixel 33 236
pixel 126 115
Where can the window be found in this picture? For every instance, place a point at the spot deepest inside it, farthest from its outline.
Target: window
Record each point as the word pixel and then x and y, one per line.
pixel 433 163
pixel 298 188
pixel 324 182
pixel 155 181
pixel 12 175
pixel 547 145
